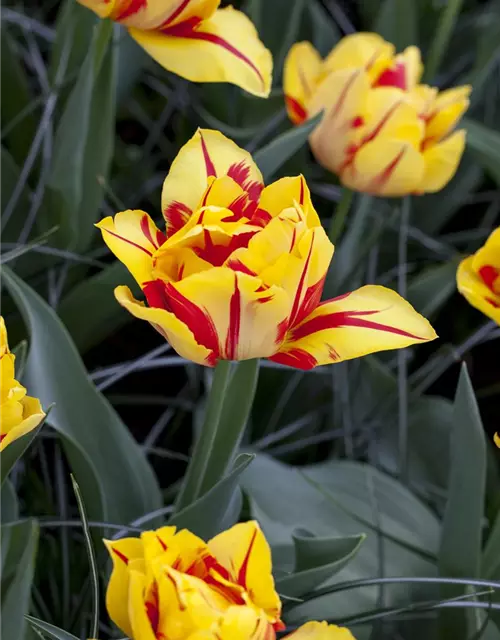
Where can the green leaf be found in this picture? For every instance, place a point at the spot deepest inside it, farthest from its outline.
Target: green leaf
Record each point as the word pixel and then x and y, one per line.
pixel 83 144
pixel 96 293
pixel 396 22
pixel 484 143
pixel 460 550
pixel 442 36
pixel 17 577
pixel 206 516
pixel 15 450
pixel 271 157
pixel 490 565
pixel 117 483
pixel 431 289
pixel 8 503
pixel 49 630
pixel 316 560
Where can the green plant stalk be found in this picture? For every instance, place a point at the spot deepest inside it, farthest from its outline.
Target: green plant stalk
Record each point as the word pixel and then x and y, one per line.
pixel 234 417
pixel 402 362
pixel 339 218
pixel 441 39
pixel 191 485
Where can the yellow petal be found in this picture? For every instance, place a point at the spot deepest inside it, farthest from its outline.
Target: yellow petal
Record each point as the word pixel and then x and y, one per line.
pixel 245 553
pixel 473 287
pixel 231 309
pixel 496 439
pixel 143 618
pixel 404 73
pixel 489 253
pixel 301 74
pixel 117 594
pixel 441 162
pixel 365 321
pixel 385 167
pixel 133 237
pixel 284 193
pixel 4 344
pixel 446 111
pixel 171 328
pixel 162 14
pixel 209 153
pixel 32 415
pixel 320 631
pixel 223 48
pixel 103 8
pixel 244 623
pixel 361 50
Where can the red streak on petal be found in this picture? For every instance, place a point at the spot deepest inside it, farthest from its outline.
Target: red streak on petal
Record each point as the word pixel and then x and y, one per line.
pixel 260 218
pixel 242 573
pixel 163 545
pixel 265 299
pixel 207 192
pixel 296 358
pixel 488 275
pixel 381 124
pixel 381 179
pixel 297 111
pixel 311 300
pixel 281 332
pixel 176 215
pixel 342 319
pixel 131 9
pixel 209 165
pixel 187 30
pixel 175 14
pixel 133 244
pixel 237 265
pixel 156 294
pixel 279 625
pixel 297 302
pixel 493 303
pixel 152 609
pixel 233 330
pixel 357 122
pixel 240 173
pixel 217 254
pixel 301 195
pixel 342 98
pixel 147 231
pixel 393 77
pixel 121 555
pixel 294 238
pixel 160 237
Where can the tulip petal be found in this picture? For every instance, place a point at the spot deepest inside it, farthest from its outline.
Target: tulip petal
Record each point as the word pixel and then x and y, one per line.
pixel 365 321
pixel 133 237
pixel 32 415
pixel 158 14
pixel 284 193
pixel 223 48
pixel 385 167
pixel 144 619
pixel 301 74
pixel 103 8
pixel 320 631
pixel 367 51
pixel 245 553
pixel 208 154
pixel 475 290
pixel 236 310
pixel 446 111
pixel 441 162
pixel 122 552
pixel 489 254
pixel 171 328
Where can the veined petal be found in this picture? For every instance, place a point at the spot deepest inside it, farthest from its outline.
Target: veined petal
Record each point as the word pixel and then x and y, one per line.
pixel 122 552
pixel 301 74
pixel 472 286
pixel 365 321
pixel 441 162
pixel 234 307
pixel 283 194
pixel 144 617
pixel 245 623
pixel 245 553
pixel 446 111
pixel 207 155
pixel 158 14
pixel 32 415
pixel 489 253
pixel 385 167
pixel 171 328
pixel 133 237
pixel 367 51
pixel 320 631
pixel 404 73
pixel 223 48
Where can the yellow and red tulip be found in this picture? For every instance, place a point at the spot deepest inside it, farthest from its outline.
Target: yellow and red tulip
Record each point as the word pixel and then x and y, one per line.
pixel 19 413
pixel 239 272
pixel 195 39
pixel 171 585
pixel 382 132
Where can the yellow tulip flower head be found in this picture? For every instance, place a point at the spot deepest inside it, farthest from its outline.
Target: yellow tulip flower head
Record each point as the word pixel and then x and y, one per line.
pixel 240 271
pixel 19 413
pixel 171 585
pixel 382 132
pixel 195 39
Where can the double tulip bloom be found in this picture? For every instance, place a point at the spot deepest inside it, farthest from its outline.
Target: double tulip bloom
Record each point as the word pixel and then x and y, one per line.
pixel 239 272
pixel 382 132
pixel 195 39
pixel 19 413
pixel 171 585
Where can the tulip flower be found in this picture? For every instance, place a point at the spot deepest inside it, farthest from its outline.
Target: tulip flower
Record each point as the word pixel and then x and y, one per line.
pixel 171 585
pixel 239 272
pixel 382 132
pixel 19 413
pixel 478 278
pixel 195 39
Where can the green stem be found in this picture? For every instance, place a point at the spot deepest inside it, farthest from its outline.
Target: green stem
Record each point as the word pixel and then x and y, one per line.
pixel 441 39
pixel 402 361
pixel 339 218
pixel 191 486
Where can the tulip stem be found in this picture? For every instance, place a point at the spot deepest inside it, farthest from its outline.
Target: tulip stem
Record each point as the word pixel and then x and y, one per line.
pixel 402 361
pixel 339 218
pixel 191 486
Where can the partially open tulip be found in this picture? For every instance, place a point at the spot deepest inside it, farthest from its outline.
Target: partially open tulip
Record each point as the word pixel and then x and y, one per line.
pixel 19 413
pixel 239 272
pixel 171 585
pixel 478 278
pixel 382 132
pixel 195 39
